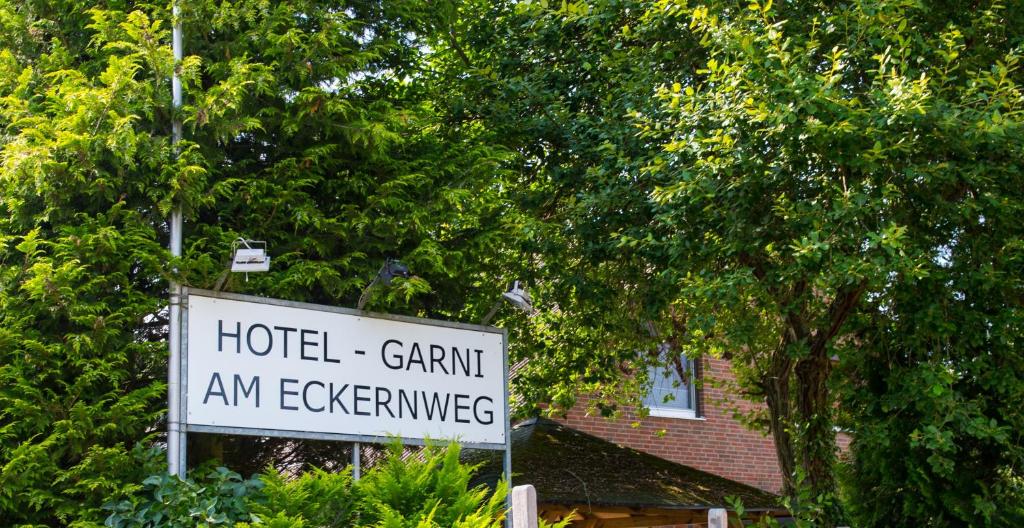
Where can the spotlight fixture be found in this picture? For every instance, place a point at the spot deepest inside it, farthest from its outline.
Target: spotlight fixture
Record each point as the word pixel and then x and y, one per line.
pixel 391 269
pixel 250 256
pixel 517 296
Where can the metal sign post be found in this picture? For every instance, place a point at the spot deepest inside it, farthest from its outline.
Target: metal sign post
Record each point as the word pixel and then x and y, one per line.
pixel 357 460
pixel 175 433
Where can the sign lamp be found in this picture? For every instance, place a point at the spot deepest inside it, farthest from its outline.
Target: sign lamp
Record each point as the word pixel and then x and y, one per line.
pixel 250 256
pixel 391 269
pixel 517 296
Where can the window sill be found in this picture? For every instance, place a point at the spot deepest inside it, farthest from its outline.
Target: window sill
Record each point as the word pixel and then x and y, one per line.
pixel 675 413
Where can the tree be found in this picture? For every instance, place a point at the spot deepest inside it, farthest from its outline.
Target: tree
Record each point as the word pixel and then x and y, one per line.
pixel 759 175
pixel 556 85
pixel 935 393
pixel 307 124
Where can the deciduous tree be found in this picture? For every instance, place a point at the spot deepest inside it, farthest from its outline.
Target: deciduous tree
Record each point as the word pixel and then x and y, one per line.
pixel 746 179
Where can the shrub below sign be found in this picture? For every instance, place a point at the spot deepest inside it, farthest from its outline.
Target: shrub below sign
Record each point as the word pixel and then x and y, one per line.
pixel 415 492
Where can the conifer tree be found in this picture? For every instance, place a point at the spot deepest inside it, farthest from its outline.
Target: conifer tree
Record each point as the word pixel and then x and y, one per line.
pixel 309 125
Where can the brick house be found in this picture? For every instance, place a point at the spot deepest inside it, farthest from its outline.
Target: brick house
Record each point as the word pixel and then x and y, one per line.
pixel 695 428
pixel 676 466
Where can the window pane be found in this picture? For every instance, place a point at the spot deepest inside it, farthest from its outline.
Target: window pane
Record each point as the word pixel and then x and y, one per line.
pixel 666 385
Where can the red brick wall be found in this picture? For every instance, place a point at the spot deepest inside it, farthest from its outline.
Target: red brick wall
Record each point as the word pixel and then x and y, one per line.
pixel 717 443
pixel 843 443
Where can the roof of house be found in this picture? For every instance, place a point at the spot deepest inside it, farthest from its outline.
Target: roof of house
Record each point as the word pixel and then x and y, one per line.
pixel 571 468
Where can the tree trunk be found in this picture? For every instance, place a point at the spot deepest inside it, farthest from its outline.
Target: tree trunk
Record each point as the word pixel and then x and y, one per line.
pixel 777 397
pixel 817 443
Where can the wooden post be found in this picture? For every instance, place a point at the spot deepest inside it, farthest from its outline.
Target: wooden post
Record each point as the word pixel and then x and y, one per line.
pixel 718 518
pixel 524 507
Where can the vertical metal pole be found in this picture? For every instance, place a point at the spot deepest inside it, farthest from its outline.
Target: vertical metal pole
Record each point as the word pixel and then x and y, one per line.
pixel 175 433
pixel 507 465
pixel 508 479
pixel 357 450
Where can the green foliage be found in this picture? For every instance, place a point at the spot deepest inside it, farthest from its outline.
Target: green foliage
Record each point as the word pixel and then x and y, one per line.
pixel 428 489
pixel 782 183
pixel 316 498
pixel 555 84
pixel 210 497
pixel 310 125
pixel 79 260
pixel 935 403
pixel 804 509
pixel 776 183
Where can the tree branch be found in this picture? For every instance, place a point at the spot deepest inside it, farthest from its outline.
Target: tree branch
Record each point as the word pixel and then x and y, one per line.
pixel 838 312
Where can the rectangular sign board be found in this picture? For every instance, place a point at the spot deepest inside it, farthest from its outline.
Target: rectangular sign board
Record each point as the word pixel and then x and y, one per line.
pixel 279 368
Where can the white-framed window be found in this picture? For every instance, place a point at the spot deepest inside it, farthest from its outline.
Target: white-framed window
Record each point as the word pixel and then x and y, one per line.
pixel 670 395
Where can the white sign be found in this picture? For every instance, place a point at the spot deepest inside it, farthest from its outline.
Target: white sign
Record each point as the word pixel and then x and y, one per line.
pixel 259 366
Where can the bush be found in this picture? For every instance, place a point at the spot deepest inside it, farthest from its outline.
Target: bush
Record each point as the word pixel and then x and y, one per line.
pixel 318 498
pixel 212 497
pixel 430 489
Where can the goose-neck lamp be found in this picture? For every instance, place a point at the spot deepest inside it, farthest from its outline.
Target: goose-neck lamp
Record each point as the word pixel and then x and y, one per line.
pixel 391 269
pixel 516 296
